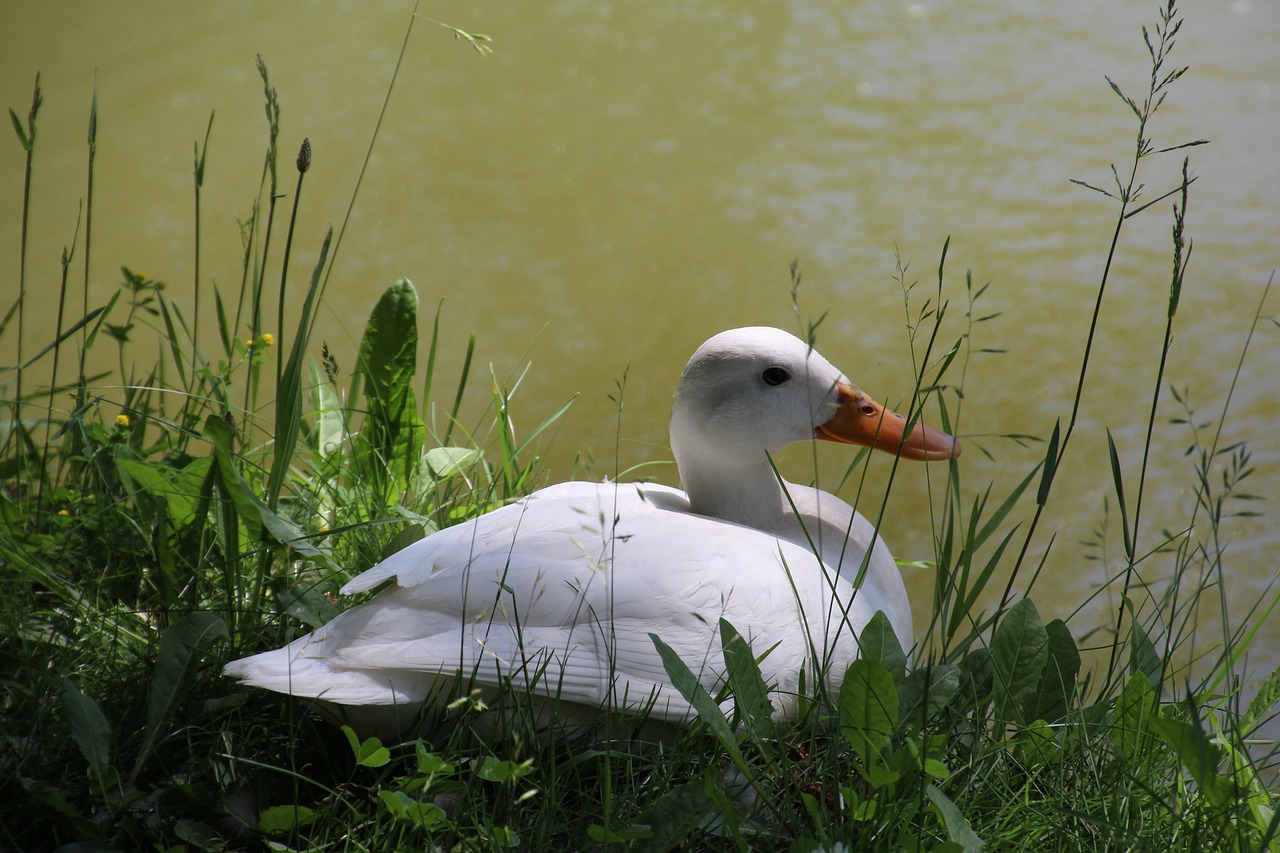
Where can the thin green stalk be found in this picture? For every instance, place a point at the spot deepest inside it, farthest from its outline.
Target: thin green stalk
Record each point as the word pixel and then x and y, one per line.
pixel 201 156
pixel 1125 193
pixel 303 163
pixel 1208 454
pixel 198 166
pixel 81 390
pixel 1181 256
pixel 75 437
pixel 272 108
pixel 255 287
pixel 914 409
pixel 248 237
pixel 27 138
pixel 67 254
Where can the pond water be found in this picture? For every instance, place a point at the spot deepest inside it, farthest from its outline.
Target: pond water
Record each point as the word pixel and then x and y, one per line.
pixel 618 181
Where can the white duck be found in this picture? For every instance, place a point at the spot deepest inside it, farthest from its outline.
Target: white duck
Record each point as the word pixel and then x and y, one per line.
pixel 558 593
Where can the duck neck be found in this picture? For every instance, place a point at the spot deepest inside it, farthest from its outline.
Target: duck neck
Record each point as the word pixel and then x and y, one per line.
pixel 746 493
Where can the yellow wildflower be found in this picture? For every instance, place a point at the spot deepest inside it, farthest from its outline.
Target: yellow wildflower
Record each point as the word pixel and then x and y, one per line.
pixel 122 421
pixel 64 512
pixel 268 339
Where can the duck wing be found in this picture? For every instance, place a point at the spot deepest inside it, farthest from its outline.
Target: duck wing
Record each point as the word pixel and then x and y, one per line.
pixel 558 594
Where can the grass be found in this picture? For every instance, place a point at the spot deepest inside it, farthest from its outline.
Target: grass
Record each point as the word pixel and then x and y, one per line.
pixel 149 537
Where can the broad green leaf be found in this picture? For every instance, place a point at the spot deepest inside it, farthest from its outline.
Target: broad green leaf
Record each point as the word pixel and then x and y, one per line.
pixel 198 834
pixel 958 829
pixel 697 696
pixel 493 769
pixel 430 764
pixel 674 815
pixel 604 835
pixel 1058 684
pixel 868 708
pixel 750 694
pixel 925 692
pixel 935 768
pixel 1198 755
pixel 89 729
pixel 285 532
pixel 368 752
pixel 976 676
pixel 278 820
pixel 503 836
pixel 1019 651
pixel 181 644
pixel 406 808
pixel 446 462
pixel 1035 745
pixel 880 775
pixel 178 487
pixel 1131 723
pixel 162 547
pixel 143 500
pixel 406 537
pixel 879 642
pixel 1143 657
pixel 308 601
pixel 244 506
pixel 729 806
pixel 392 437
pixel 239 505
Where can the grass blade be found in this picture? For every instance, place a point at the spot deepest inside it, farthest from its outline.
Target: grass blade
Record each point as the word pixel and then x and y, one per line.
pixel 90 730
pixel 289 392
pixel 1117 478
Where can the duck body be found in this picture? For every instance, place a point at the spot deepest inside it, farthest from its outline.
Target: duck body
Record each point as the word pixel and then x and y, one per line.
pixel 557 594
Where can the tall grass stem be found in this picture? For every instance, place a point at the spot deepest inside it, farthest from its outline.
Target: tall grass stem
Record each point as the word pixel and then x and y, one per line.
pixel 303 162
pixel 27 138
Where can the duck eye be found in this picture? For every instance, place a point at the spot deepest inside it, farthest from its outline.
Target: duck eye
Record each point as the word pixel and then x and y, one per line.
pixel 775 375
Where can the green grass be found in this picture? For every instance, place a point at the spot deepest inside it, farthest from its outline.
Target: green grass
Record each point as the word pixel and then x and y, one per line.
pixel 148 538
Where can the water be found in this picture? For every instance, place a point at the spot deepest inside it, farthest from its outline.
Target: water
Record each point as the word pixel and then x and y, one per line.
pixel 616 182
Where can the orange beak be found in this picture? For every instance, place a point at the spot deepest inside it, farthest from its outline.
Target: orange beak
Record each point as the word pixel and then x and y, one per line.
pixel 861 420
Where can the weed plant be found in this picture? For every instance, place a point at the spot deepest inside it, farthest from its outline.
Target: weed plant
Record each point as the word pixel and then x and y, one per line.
pixel 148 537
